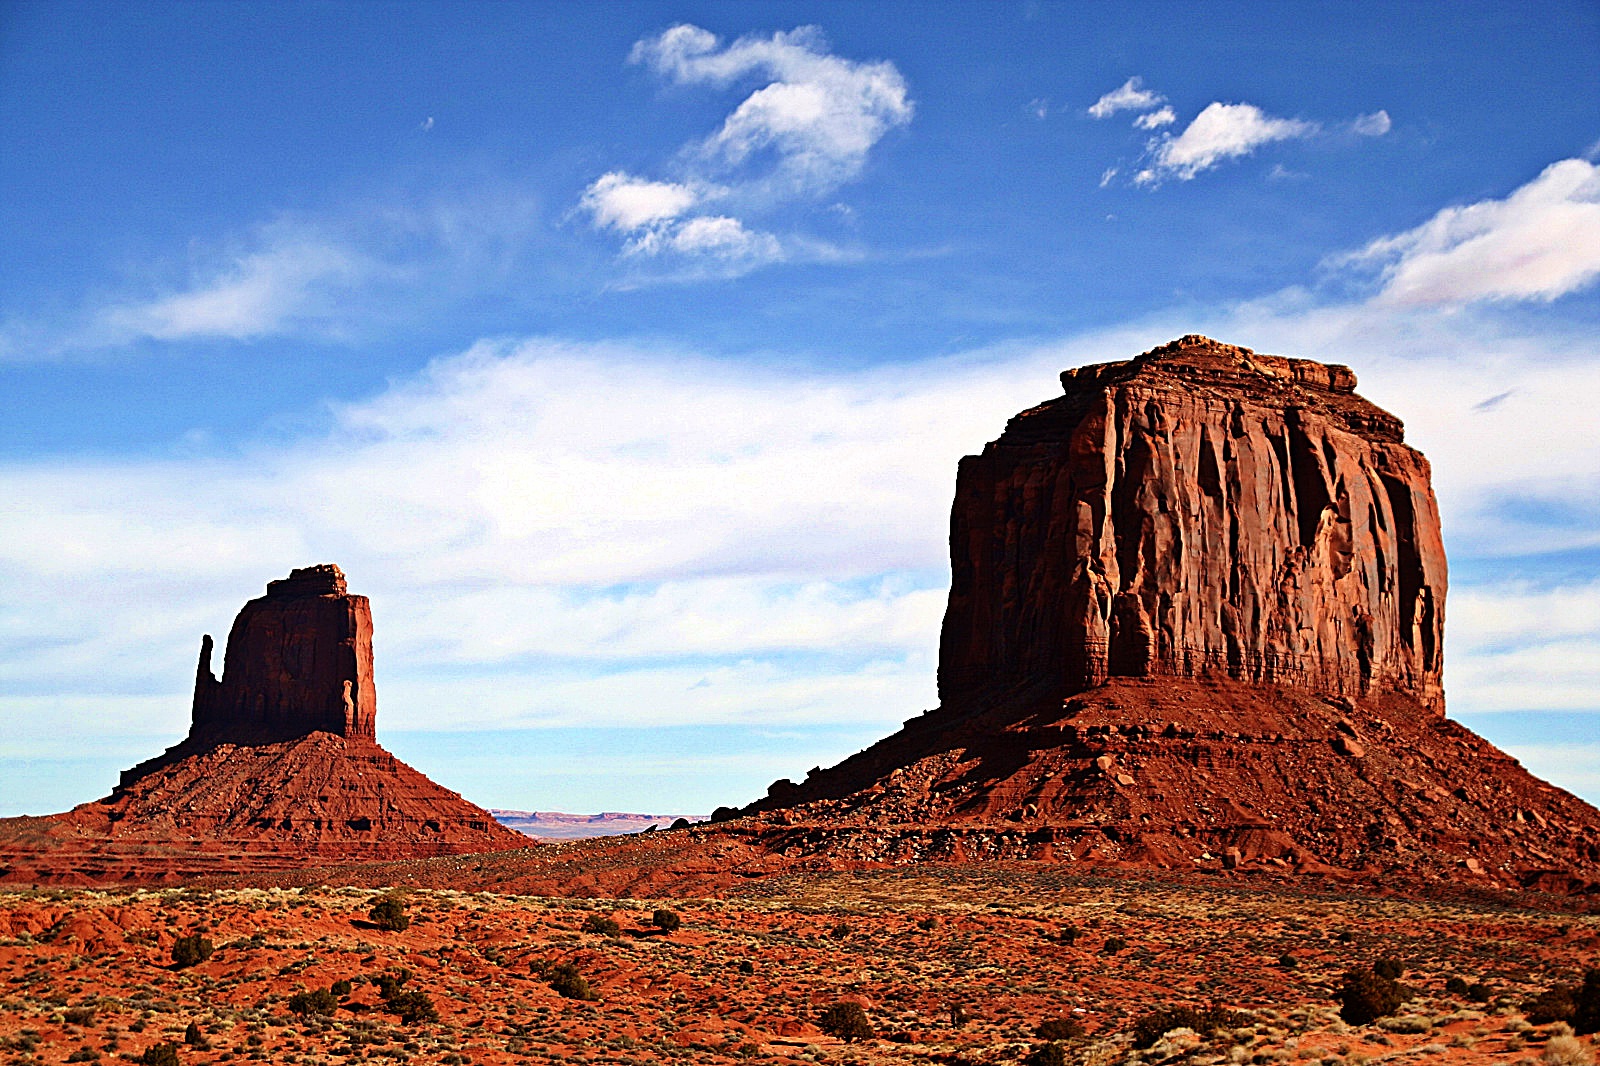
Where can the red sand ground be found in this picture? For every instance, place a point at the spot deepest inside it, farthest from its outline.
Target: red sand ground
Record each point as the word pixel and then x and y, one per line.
pixel 86 973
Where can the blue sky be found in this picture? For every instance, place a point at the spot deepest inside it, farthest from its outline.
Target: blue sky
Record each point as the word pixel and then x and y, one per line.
pixel 623 353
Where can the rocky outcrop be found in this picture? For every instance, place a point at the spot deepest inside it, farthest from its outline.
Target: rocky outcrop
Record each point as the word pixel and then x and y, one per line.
pixel 299 661
pixel 1195 622
pixel 281 766
pixel 1198 511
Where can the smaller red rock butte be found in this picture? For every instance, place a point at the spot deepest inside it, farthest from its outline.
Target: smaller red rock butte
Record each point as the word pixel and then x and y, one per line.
pixel 281 766
pixel 299 661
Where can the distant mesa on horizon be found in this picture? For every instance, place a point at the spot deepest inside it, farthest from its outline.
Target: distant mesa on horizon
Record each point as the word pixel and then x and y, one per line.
pixel 558 825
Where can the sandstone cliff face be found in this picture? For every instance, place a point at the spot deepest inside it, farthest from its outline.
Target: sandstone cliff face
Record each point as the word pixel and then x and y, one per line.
pixel 1195 622
pixel 1198 511
pixel 299 660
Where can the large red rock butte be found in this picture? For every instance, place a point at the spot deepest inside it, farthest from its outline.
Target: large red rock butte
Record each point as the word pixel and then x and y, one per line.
pixel 1196 621
pixel 281 766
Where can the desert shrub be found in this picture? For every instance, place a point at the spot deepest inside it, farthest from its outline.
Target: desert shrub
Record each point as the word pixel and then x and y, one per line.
pixel 1365 996
pixel 412 1008
pixel 80 1016
pixel 321 1002
pixel 1456 986
pixel 83 1054
pixel 1148 1028
pixel 340 989
pixel 189 950
pixel 390 982
pixel 1113 945
pixel 666 921
pixel 599 923
pixel 1059 1029
pixel 840 931
pixel 1406 1023
pixel 160 1055
pixel 1068 934
pixel 1046 1055
pixel 389 914
pixel 1479 992
pixel 1288 961
pixel 746 966
pixel 845 1020
pixel 1552 1005
pixel 1566 1051
pixel 928 922
pixel 567 982
pixel 1586 1004
pixel 194 1037
pixel 1389 967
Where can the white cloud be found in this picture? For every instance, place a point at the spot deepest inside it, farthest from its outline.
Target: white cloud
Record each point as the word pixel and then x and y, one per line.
pixel 1373 125
pixel 1220 132
pixel 1539 243
pixel 256 294
pixel 622 202
pixel 1156 119
pixel 1130 96
pixel 799 136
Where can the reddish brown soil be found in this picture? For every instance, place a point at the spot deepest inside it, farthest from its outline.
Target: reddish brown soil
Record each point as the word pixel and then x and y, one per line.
pixel 1005 945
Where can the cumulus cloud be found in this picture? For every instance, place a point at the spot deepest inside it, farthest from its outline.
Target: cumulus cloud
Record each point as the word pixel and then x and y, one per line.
pixel 803 133
pixel 1219 133
pixel 1539 243
pixel 622 202
pixel 1129 96
pixel 1154 120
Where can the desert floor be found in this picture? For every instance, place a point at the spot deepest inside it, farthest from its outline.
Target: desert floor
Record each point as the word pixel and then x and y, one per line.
pixel 952 965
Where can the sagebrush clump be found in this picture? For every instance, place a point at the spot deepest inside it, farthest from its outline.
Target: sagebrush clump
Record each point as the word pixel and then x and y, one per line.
pixel 191 950
pixel 847 1021
pixel 1366 995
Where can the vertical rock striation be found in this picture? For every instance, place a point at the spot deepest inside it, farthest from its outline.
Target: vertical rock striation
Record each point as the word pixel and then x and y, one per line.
pixel 299 661
pixel 1198 511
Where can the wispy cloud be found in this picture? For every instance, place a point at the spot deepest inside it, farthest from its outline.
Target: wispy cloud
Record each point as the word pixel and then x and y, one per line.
pixel 800 136
pixel 1129 96
pixel 1219 133
pixel 256 294
pixel 1374 125
pixel 1539 243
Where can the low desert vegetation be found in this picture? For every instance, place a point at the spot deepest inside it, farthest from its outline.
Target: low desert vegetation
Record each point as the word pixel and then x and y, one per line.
pixel 847 1021
pixel 191 950
pixel 389 914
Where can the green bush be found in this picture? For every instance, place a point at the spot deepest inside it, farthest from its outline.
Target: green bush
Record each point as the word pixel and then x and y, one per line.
pixel 1068 934
pixel 666 921
pixel 1148 1028
pixel 194 1037
pixel 599 923
pixel 1456 986
pixel 160 1055
pixel 390 982
pixel 1365 996
pixel 840 931
pixel 1046 1055
pixel 565 979
pixel 411 1007
pixel 1059 1029
pixel 847 1021
pixel 1479 992
pixel 321 1002
pixel 389 914
pixel 80 1016
pixel 340 989
pixel 191 950
pixel 1113 945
